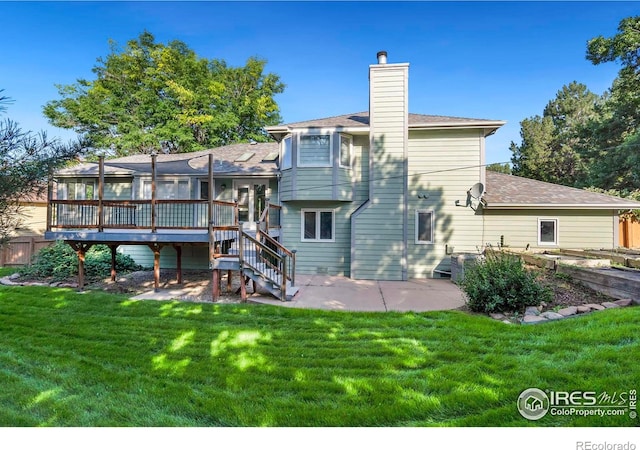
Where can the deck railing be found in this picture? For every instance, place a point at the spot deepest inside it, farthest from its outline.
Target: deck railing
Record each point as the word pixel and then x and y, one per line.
pixel 139 214
pixel 270 217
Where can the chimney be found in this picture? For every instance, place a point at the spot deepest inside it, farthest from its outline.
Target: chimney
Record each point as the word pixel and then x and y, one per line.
pixel 387 211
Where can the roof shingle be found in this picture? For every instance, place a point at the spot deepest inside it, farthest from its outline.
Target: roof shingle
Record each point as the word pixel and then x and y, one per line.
pixel 188 163
pixel 510 191
pixel 361 120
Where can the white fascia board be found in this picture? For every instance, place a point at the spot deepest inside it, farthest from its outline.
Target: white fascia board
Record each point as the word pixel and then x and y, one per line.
pixel 562 206
pixel 436 126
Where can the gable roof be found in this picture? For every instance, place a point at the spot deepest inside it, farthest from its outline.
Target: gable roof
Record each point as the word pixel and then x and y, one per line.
pixel 504 191
pixel 360 120
pixel 194 163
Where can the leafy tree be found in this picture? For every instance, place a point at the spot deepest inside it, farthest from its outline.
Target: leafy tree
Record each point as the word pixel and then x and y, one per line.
pixel 150 96
pixel 26 162
pixel 501 168
pixel 616 135
pixel 553 144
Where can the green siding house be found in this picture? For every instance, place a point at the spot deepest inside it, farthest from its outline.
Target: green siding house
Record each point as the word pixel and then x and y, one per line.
pixel 383 194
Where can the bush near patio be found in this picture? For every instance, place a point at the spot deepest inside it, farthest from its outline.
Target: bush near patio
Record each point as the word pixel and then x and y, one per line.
pixel 97 359
pixel 59 262
pixel 501 283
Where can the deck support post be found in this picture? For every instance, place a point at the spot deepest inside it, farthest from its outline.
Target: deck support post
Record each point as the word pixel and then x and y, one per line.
pixel 178 263
pixel 113 261
pixel 229 279
pixel 215 285
pixel 155 248
pixel 243 286
pixel 81 249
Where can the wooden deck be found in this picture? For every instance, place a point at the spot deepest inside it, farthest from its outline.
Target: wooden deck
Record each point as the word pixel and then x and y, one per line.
pixel 158 223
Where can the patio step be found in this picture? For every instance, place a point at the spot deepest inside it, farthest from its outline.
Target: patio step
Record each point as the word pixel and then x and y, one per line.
pixel 264 277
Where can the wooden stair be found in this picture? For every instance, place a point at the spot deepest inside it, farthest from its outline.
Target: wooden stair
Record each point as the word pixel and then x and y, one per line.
pixel 257 256
pixel 264 279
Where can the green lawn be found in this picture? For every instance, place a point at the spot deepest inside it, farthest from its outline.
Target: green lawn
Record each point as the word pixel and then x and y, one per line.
pixel 92 359
pixel 4 271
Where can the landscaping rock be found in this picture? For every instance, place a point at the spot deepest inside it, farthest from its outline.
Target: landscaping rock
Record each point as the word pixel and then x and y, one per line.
pixel 497 316
pixel 610 305
pixel 531 311
pixel 552 315
pixel 14 276
pixel 568 311
pixel 507 322
pixel 595 306
pixel 623 302
pixel 533 319
pixel 583 309
pixel 7 282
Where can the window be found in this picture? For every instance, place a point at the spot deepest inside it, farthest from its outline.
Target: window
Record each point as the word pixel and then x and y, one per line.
pixel 318 225
pixel 286 153
pixel 424 227
pixel 345 151
pixel 78 190
pixel 167 189
pixel 547 231
pixel 314 150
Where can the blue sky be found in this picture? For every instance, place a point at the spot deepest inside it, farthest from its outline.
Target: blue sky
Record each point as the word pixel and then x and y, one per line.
pixel 493 60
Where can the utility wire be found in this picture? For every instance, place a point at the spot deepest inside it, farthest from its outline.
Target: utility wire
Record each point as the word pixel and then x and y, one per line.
pixel 350 183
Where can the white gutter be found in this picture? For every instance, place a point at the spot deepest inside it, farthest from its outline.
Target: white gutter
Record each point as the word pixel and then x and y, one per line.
pixel 562 206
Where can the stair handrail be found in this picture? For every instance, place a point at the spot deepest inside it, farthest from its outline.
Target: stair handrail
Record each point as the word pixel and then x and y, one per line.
pixel 260 247
pixel 290 253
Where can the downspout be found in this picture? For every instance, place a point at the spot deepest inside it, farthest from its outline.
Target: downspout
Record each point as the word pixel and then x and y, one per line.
pixel 49 204
pixel 210 217
pixel 405 182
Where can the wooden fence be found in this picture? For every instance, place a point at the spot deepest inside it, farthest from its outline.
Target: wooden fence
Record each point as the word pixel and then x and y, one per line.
pixel 20 250
pixel 629 232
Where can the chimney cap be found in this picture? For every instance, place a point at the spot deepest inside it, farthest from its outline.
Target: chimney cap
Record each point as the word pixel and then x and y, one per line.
pixel 382 57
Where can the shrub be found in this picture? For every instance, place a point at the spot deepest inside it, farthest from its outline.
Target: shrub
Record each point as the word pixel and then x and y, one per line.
pixel 59 261
pixel 502 283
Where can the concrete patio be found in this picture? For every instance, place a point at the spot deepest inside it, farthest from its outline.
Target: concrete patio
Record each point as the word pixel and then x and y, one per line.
pixel 340 293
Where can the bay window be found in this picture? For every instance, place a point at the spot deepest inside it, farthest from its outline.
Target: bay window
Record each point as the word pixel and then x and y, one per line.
pixel 314 150
pixel 345 151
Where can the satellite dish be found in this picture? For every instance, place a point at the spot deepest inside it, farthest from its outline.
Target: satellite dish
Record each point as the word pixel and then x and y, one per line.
pixel 476 190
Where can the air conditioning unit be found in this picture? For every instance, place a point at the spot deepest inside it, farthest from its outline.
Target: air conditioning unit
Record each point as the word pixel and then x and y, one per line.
pixel 461 260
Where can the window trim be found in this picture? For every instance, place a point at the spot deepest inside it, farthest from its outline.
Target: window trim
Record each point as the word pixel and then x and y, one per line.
pixel 417 227
pixel 299 162
pixel 64 191
pixel 556 241
pixel 350 139
pixel 282 153
pixel 317 211
pixel 175 180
